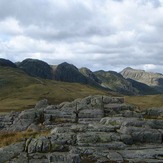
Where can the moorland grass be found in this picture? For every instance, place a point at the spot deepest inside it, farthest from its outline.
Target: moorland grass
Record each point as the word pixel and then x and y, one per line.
pixel 147 101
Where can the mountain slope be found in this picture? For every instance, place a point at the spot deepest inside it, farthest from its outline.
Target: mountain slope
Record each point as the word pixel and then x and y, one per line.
pixel 116 82
pixel 89 74
pixel 143 88
pixel 20 91
pixel 69 73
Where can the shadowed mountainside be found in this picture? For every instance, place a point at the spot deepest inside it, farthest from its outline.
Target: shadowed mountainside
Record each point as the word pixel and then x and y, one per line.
pixel 7 63
pixel 143 88
pixel 89 74
pixel 36 68
pixel 69 73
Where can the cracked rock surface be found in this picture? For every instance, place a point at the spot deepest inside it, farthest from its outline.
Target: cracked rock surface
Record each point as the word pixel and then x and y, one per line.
pixel 96 129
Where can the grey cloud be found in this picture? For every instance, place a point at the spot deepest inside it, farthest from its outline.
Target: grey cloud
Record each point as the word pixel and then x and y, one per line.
pixel 155 3
pixel 98 34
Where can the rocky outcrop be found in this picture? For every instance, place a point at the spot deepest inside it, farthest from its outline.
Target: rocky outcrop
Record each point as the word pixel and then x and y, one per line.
pixel 94 129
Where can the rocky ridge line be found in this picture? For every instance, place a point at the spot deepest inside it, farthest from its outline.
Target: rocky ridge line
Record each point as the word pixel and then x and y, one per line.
pixel 148 78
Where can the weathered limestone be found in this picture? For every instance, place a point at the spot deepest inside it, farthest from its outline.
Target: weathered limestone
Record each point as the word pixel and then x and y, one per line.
pixel 94 129
pixel 11 151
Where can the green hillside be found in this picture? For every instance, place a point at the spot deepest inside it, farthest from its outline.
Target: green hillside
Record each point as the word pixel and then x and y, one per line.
pixel 19 91
pixel 115 82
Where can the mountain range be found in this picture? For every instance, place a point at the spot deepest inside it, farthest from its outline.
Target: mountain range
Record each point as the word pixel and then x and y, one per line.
pixel 128 82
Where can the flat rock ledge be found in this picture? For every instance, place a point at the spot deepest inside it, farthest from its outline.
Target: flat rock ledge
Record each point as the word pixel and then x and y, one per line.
pixel 96 129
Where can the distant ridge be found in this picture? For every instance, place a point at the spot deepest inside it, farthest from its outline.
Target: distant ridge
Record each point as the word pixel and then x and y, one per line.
pixel 128 82
pixel 154 80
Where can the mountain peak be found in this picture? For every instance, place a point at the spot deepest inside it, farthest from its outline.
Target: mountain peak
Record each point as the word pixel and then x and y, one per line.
pixel 7 63
pixel 149 78
pixel 69 73
pixel 132 69
pixel 37 68
pixel 128 68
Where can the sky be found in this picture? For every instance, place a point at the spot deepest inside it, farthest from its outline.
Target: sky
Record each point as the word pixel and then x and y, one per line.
pixel 98 34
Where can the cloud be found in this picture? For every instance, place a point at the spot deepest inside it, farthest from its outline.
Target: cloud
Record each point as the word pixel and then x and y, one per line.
pixel 108 34
pixel 10 27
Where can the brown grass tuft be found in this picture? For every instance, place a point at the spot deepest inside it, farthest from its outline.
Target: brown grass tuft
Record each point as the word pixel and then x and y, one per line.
pixel 7 138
